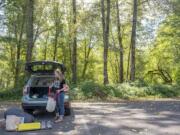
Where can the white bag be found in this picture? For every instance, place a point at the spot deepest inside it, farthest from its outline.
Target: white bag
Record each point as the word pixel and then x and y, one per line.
pixel 51 104
pixel 12 121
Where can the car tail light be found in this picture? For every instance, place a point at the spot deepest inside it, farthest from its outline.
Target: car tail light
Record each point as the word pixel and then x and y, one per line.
pixel 25 90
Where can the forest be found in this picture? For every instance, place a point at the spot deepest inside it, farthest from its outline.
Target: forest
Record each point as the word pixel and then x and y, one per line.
pixel 111 48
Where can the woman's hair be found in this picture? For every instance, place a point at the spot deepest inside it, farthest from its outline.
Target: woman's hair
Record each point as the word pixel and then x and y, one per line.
pixel 60 74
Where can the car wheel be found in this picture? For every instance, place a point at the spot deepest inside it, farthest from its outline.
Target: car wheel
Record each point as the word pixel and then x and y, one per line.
pixel 67 111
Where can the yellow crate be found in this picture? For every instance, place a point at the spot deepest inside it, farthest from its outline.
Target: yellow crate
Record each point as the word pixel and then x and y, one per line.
pixel 29 126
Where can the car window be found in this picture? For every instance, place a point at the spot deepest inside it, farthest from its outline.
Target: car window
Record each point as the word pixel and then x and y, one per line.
pixel 36 68
pixel 40 81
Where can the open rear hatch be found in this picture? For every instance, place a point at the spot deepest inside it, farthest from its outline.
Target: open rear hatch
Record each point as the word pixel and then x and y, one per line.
pixel 43 78
pixel 39 86
pixel 44 67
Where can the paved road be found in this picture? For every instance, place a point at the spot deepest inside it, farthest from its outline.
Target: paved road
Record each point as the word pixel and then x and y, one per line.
pixel 124 118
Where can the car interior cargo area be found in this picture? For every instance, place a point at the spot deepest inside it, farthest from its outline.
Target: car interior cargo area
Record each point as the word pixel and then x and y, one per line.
pixel 38 92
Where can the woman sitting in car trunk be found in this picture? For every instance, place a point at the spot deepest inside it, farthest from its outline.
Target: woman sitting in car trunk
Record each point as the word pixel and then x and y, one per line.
pixel 59 87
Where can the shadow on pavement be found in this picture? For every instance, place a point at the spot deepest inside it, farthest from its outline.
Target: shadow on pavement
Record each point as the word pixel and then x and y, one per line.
pixel 137 117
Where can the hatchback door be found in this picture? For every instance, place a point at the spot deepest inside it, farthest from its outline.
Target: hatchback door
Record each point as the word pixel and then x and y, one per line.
pixel 43 67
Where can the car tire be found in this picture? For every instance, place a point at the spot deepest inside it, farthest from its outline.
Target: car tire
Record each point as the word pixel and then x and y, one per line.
pixel 67 111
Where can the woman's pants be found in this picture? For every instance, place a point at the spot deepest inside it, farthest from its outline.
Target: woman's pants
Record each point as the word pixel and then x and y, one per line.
pixel 60 104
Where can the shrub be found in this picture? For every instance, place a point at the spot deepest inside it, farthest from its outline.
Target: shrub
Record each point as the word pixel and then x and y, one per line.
pixel 92 90
pixel 11 94
pixel 163 90
pixel 127 91
pixel 88 88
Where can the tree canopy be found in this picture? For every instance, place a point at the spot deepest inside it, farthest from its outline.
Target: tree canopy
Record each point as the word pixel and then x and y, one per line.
pixel 107 41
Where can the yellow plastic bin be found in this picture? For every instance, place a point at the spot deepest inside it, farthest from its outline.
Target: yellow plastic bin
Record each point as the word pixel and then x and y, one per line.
pixel 29 126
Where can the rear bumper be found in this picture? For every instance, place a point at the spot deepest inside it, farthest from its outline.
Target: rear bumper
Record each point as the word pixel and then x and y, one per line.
pixel 39 104
pixel 33 106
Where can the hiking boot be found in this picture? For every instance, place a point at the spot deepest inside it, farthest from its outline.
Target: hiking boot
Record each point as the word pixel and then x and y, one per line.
pixel 60 119
pixel 56 117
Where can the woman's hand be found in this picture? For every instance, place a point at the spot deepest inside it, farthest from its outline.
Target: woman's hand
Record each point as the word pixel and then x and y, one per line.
pixel 65 87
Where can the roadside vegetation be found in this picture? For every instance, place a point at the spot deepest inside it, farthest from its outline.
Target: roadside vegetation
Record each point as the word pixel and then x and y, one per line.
pixel 135 90
pixel 90 90
pixel 112 49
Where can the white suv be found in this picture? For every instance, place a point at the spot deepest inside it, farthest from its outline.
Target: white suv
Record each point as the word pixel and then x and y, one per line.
pixel 35 92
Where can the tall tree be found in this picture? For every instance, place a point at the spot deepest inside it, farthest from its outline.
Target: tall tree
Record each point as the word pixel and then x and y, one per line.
pixel 74 50
pixel 29 29
pixel 105 27
pixel 45 47
pixel 133 42
pixel 57 23
pixel 121 77
pixel 19 45
pixel 87 51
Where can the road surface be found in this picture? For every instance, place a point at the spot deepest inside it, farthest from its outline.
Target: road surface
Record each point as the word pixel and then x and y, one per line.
pixel 123 118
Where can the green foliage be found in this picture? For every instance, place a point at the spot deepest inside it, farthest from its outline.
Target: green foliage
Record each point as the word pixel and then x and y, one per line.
pixel 128 91
pixel 138 89
pixel 11 94
pixel 163 90
pixel 165 53
pixel 177 78
pixel 89 90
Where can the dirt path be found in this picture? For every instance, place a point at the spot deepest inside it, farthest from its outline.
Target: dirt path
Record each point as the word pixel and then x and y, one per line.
pixel 124 118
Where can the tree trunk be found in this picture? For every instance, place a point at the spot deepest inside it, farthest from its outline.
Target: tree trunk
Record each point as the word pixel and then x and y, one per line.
pixel 86 57
pixel 127 73
pixel 105 25
pixel 117 62
pixel 55 43
pixel 121 77
pixel 74 50
pixel 29 30
pixel 18 47
pixel 45 47
pixel 12 59
pixel 133 42
pixel 57 28
pixel 18 54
